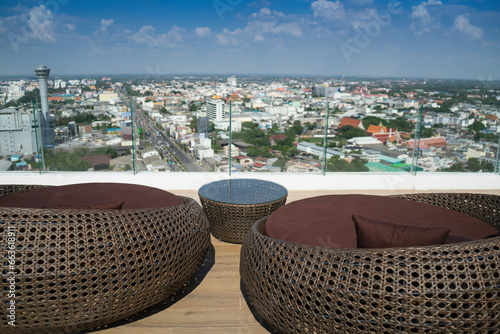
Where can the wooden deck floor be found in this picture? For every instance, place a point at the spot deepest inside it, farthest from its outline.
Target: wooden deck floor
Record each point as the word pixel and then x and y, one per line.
pixel 212 302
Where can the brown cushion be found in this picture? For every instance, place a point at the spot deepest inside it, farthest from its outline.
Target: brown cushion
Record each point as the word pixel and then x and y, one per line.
pixel 327 220
pixel 90 206
pixel 93 196
pixel 493 235
pixel 376 234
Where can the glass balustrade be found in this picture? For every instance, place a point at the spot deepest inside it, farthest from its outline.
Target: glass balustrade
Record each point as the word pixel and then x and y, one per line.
pixel 139 139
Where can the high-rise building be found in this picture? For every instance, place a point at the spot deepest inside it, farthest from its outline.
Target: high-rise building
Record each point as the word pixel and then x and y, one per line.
pixel 215 110
pixel 17 132
pixel 231 81
pixel 46 121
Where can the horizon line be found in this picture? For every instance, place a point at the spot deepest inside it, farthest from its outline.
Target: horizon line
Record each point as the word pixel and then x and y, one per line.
pixel 180 74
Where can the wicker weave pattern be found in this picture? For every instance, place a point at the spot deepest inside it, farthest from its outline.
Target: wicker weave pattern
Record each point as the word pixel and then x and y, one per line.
pixel 438 289
pixel 231 222
pixel 483 207
pixel 80 269
pixel 14 189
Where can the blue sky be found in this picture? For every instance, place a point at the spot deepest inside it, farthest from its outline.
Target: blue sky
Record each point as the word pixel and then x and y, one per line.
pixel 427 39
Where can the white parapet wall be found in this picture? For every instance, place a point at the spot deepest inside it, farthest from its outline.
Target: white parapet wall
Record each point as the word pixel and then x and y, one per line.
pixel 293 182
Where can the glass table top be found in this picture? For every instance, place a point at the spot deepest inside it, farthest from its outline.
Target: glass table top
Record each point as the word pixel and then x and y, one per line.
pixel 242 191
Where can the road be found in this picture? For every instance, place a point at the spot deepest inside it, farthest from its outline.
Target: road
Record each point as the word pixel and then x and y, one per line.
pixel 164 144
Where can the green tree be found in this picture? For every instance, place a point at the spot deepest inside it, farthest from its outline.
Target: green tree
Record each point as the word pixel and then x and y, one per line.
pixel 310 126
pixel 259 152
pixel 372 120
pixel 348 132
pixel 29 97
pixel 193 107
pixel 335 164
pixel 294 152
pixel 65 161
pixel 297 127
pixel 427 133
pixel 473 165
pixel 454 168
pixel 477 126
pixel 194 123
pixel 105 150
pixel 400 124
pixel 280 163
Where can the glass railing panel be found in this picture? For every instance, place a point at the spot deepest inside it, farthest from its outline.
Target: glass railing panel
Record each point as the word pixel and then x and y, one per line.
pixel 135 134
pixel 466 146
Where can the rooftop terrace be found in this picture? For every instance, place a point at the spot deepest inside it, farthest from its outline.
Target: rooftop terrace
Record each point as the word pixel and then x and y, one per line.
pixel 213 302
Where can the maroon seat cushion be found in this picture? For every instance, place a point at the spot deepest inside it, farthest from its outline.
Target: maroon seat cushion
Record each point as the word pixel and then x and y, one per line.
pixel 327 220
pixel 376 234
pixel 93 196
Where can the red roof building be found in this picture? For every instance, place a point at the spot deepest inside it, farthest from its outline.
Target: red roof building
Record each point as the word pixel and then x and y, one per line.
pixel 428 142
pixel 373 129
pixel 356 123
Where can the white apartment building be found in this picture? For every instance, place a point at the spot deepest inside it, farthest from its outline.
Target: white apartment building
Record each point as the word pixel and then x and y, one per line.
pixel 318 150
pixel 17 132
pixel 231 81
pixel 215 110
pixel 15 92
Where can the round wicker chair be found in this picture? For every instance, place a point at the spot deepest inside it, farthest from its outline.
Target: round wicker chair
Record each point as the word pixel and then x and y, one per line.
pixel 81 269
pixel 453 288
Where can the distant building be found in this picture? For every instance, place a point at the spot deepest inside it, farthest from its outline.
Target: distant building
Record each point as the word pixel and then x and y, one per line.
pixel 231 81
pixel 355 123
pixel 313 149
pixel 235 151
pixel 107 97
pixel 46 120
pixel 17 132
pixel 331 92
pixel 215 110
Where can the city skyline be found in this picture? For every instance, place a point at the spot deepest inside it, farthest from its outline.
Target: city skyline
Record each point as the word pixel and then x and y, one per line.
pixel 422 39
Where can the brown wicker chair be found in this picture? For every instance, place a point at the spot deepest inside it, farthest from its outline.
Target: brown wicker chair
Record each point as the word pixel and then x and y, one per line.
pixel 453 288
pixel 81 269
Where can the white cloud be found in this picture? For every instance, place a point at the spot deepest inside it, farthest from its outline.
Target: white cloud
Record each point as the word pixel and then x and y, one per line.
pixel 433 2
pixel 266 14
pixel 336 15
pixel 266 24
pixel 71 27
pixel 105 24
pixel 227 37
pixel 146 35
pixel 462 24
pixel 261 3
pixel 221 39
pixel 41 23
pixel 291 28
pixel 36 23
pixel 423 20
pixel 203 32
pixel 360 3
pixel 330 10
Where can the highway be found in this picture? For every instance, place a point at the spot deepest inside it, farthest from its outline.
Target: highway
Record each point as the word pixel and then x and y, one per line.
pixel 164 144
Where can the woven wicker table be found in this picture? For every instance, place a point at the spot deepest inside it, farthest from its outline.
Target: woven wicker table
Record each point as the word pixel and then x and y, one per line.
pixel 232 206
pixel 451 288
